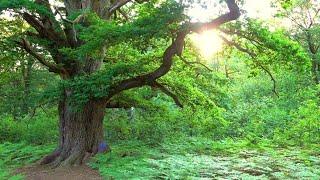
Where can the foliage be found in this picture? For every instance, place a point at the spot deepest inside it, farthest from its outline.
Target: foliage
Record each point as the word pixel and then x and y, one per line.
pixel 39 129
pixel 269 48
pixel 157 123
pixel 304 129
pixel 253 112
pixel 193 158
pixel 17 155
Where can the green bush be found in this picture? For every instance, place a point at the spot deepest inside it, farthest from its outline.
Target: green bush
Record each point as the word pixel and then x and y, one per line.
pixel 305 129
pixel 39 129
pixel 156 124
pixel 149 126
pixel 11 130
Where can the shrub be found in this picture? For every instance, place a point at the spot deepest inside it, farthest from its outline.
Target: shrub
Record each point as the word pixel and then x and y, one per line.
pixel 40 129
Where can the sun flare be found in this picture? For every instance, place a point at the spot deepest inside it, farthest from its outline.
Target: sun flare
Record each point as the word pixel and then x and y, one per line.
pixel 208 42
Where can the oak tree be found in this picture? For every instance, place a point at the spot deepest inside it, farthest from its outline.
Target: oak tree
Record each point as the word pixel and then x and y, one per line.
pixel 72 39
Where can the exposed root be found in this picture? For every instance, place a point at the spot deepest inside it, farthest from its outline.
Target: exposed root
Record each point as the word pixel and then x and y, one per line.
pixel 57 162
pixel 50 158
pixel 81 159
pixel 66 159
pixel 75 158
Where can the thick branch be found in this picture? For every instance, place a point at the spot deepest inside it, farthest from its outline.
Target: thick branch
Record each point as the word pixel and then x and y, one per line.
pixel 44 28
pixel 33 22
pixel 115 6
pixel 52 67
pixel 234 13
pixel 126 17
pixel 50 27
pixel 119 105
pixel 167 92
pixel 174 49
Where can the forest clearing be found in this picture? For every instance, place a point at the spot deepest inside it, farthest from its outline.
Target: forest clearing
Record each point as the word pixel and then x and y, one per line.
pixel 159 89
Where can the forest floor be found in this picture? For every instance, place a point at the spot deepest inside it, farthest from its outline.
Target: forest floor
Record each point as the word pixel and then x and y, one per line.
pixel 193 158
pixel 45 173
pixel 209 160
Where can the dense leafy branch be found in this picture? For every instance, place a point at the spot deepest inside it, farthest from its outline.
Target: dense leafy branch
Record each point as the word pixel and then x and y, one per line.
pixel 32 51
pixel 166 91
pixel 190 63
pixel 174 49
pixel 66 37
pixel 254 56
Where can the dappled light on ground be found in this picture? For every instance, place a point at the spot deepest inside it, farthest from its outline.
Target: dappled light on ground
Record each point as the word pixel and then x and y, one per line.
pixel 208 161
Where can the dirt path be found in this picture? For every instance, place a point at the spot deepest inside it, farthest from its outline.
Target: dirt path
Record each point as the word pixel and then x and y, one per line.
pixel 45 173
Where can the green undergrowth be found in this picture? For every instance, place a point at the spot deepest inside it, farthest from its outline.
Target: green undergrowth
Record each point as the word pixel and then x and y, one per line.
pixel 15 155
pixel 183 158
pixel 198 158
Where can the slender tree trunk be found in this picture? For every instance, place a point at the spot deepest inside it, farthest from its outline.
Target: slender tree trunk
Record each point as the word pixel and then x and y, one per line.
pixel 26 74
pixel 315 63
pixel 81 132
pixel 316 71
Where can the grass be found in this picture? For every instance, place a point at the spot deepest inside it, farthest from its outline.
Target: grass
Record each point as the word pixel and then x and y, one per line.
pixel 198 158
pixel 183 158
pixel 14 155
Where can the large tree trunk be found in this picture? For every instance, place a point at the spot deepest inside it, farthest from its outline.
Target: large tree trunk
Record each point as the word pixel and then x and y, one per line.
pixel 81 132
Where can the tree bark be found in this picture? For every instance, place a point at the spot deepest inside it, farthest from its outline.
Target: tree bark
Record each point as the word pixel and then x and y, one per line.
pixel 315 70
pixel 81 132
pixel 315 63
pixel 26 75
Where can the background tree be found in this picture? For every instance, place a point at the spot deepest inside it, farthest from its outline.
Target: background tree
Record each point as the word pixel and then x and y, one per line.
pixel 20 88
pixel 304 16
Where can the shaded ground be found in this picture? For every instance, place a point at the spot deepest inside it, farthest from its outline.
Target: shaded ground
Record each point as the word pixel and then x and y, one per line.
pixel 45 173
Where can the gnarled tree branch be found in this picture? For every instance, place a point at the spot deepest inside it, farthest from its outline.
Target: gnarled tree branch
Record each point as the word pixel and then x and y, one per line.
pixel 174 49
pixel 46 24
pixel 167 92
pixel 114 7
pixel 234 13
pixel 33 22
pixel 52 67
